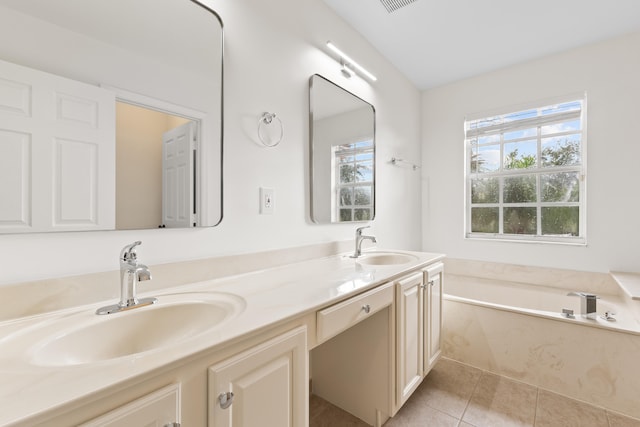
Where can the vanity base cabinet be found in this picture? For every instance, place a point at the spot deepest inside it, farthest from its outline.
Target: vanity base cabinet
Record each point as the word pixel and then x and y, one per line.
pixel 352 368
pixel 410 336
pixel 367 354
pixel 268 373
pixel 419 323
pixel 434 280
pixel 263 386
pixel 160 408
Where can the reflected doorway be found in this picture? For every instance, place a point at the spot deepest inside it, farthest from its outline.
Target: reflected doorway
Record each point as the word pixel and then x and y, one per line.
pixel 140 132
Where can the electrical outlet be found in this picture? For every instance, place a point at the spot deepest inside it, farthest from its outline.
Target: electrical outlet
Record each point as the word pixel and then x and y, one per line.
pixel 267 201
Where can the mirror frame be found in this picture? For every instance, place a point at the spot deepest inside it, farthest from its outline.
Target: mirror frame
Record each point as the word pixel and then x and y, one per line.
pixel 312 180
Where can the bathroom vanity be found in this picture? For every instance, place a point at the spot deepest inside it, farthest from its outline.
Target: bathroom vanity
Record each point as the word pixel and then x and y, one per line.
pixel 241 350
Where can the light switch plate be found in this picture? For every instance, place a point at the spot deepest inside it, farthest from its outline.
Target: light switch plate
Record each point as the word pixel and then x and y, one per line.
pixel 267 201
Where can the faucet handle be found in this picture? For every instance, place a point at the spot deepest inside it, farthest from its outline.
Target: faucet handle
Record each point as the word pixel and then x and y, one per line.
pixel 128 253
pixel 359 229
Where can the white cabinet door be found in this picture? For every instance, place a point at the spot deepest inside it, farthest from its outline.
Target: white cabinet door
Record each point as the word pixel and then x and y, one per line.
pixel 410 335
pixel 57 153
pixel 264 386
pixel 433 315
pixel 158 409
pixel 419 326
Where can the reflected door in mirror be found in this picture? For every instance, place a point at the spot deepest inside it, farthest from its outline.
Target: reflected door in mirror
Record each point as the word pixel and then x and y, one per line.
pixel 57 153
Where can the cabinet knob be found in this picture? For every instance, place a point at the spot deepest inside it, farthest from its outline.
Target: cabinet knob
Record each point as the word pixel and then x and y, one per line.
pixel 225 399
pixel 432 282
pixel 366 308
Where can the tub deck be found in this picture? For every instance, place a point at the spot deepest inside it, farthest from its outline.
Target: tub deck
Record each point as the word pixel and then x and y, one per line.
pixel 507 320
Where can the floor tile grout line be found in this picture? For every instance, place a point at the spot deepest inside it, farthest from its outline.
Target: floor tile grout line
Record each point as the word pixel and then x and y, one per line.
pixel 427 404
pixel 535 411
pixel 592 405
pixel 606 413
pixel 483 371
pixel 471 396
pixel 609 415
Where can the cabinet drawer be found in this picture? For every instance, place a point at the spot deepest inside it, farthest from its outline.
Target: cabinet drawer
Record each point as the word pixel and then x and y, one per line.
pixel 335 319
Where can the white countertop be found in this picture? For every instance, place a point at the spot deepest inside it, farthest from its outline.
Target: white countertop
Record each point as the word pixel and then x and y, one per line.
pixel 629 283
pixel 271 295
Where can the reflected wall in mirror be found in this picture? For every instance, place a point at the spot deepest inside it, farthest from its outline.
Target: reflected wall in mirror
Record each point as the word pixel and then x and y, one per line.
pixel 342 151
pixel 110 115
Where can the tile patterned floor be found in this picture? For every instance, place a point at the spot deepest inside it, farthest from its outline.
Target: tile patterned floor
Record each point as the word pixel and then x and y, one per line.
pixel 457 395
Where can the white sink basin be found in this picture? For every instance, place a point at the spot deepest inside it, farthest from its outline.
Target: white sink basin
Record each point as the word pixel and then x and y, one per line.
pixel 76 340
pixel 386 258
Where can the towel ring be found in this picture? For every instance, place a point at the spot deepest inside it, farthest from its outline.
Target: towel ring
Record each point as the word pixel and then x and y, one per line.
pixel 263 123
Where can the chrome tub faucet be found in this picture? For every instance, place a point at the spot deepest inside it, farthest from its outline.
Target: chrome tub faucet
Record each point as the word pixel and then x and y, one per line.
pixel 359 238
pixel 588 304
pixel 131 273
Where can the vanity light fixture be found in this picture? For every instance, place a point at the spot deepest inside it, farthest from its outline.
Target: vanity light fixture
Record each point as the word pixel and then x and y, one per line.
pixel 345 70
pixel 348 63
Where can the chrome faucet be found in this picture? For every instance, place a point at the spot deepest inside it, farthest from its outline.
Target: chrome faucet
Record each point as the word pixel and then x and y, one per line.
pixel 587 304
pixel 131 272
pixel 359 238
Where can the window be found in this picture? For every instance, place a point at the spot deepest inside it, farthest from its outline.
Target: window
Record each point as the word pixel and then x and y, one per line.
pixel 354 181
pixel 525 173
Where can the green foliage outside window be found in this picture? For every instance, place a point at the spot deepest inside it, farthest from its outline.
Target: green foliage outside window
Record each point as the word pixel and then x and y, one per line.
pixel 355 198
pixel 525 172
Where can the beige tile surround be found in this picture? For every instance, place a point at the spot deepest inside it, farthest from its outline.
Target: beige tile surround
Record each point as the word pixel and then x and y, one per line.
pixel 455 394
pixel 600 283
pixel 594 365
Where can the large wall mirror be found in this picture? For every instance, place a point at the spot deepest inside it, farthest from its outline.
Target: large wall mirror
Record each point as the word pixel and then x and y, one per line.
pixel 342 137
pixel 110 115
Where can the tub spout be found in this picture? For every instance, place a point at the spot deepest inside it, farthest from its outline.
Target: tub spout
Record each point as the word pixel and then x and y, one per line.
pixel 587 304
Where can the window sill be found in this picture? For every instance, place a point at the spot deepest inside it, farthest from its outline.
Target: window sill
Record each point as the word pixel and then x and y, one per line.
pixel 566 241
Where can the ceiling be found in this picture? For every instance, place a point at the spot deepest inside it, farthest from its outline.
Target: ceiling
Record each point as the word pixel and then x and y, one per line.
pixel 435 42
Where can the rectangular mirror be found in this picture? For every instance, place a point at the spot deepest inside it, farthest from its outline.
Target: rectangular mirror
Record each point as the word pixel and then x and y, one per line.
pixel 342 138
pixel 110 115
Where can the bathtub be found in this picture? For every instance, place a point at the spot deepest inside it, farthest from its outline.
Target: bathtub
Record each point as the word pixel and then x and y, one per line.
pixel 508 320
pixel 543 301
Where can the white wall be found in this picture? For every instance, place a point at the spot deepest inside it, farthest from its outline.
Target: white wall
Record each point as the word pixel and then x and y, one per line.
pixel 272 48
pixel 610 74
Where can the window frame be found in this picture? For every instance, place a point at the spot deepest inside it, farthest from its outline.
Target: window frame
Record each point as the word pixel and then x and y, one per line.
pixel 337 185
pixel 537 171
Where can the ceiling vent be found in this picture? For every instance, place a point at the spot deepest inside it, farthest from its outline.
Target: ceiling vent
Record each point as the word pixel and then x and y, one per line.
pixel 393 5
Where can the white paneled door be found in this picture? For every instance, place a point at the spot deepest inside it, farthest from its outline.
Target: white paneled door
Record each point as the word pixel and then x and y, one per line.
pixel 178 176
pixel 57 153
